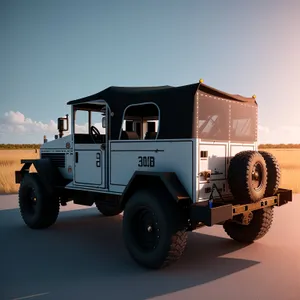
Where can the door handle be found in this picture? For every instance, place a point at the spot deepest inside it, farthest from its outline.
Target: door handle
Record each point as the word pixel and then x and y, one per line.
pixel 76 157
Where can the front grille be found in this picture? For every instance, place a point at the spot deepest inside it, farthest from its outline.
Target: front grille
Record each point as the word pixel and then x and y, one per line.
pixel 58 159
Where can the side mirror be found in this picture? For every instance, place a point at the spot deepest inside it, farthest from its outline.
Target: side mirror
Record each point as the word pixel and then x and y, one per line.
pixel 104 122
pixel 62 125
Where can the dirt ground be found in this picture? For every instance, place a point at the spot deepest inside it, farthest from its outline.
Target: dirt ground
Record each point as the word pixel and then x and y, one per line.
pixel 83 256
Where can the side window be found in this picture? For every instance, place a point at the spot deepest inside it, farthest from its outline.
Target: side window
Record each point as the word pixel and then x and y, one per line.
pixel 151 129
pixel 140 122
pixel 81 122
pixel 127 125
pixel 96 121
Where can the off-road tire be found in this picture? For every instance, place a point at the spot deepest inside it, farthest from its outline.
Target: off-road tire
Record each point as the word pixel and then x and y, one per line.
pixel 169 232
pixel 240 177
pixel 258 227
pixel 45 211
pixel 108 210
pixel 274 173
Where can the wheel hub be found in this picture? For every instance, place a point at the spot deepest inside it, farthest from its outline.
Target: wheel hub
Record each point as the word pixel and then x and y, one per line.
pixel 149 228
pixel 31 201
pixel 257 175
pixel 145 229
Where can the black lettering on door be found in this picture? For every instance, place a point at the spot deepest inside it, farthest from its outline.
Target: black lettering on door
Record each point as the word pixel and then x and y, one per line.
pixel 98 161
pixel 146 161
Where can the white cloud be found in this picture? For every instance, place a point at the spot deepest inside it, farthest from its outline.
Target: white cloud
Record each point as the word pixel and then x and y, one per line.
pixel 16 128
pixel 284 134
pixel 15 122
pixel 263 129
pixel 81 128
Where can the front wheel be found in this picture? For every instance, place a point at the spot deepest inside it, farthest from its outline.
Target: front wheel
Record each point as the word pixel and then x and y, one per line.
pixel 152 231
pixel 38 209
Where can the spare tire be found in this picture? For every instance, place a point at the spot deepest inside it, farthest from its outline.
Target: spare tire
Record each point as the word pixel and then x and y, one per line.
pixel 274 173
pixel 247 176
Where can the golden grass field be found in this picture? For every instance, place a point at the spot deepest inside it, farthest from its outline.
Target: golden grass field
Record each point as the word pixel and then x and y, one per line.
pixel 9 163
pixel 289 160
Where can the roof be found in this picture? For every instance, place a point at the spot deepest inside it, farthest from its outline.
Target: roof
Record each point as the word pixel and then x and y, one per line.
pixel 143 94
pixel 173 103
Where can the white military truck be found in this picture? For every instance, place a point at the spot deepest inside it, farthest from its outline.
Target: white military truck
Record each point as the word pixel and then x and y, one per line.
pixel 172 158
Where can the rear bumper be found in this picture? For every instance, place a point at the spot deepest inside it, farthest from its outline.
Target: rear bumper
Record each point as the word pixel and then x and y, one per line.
pixel 217 213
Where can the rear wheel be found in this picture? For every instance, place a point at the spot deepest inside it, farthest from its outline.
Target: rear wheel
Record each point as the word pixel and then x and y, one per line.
pixel 38 209
pixel 108 205
pixel 247 176
pixel 274 173
pixel 153 233
pixel 260 223
pixel 108 210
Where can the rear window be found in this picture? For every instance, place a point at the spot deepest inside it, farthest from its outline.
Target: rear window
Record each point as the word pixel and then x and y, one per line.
pixel 223 120
pixel 243 123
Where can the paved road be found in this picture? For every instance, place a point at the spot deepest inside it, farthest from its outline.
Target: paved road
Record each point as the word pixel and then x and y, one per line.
pixel 82 257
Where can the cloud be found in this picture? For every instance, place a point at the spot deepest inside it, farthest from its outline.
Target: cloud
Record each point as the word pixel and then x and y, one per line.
pixel 284 134
pixel 263 129
pixel 84 128
pixel 16 128
pixel 16 122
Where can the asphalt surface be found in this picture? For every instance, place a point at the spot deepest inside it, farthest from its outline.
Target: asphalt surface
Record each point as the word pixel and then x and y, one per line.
pixel 83 257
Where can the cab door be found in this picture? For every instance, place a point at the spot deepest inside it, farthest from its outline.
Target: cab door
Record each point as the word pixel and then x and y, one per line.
pixel 89 165
pixel 89 156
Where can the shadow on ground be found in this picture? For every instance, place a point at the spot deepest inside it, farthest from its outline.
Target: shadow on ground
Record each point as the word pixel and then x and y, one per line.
pixel 83 256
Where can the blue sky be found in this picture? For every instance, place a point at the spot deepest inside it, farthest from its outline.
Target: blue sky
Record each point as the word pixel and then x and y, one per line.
pixel 55 51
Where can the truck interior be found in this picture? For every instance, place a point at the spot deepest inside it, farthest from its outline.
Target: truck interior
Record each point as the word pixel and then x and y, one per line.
pixel 140 122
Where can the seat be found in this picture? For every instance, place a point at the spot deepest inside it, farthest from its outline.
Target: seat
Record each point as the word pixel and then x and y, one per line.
pixel 129 135
pixel 150 135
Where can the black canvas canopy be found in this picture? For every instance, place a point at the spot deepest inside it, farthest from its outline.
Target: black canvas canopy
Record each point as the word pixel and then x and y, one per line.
pixel 176 105
pixel 142 94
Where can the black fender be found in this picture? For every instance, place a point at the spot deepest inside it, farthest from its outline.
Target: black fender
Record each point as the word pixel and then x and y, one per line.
pixel 167 180
pixel 48 173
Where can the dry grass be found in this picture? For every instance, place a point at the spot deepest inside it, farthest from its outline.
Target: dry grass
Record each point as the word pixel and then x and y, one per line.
pixel 289 160
pixel 9 163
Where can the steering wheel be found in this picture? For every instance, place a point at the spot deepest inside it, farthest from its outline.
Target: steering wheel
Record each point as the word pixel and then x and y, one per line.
pixel 95 134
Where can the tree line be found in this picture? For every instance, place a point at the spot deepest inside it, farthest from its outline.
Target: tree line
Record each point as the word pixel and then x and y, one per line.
pixel 37 146
pixel 19 146
pixel 279 146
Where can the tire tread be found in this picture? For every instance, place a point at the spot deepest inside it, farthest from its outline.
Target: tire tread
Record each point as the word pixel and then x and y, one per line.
pixel 239 176
pixel 49 208
pixel 254 231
